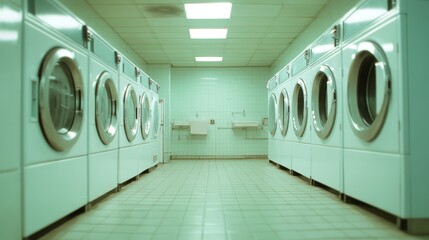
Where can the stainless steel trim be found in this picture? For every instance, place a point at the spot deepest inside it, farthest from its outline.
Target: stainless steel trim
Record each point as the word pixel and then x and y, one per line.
pixel 272 116
pixel 155 117
pixel 106 135
pixel 367 128
pixel 131 131
pixel 145 116
pixel 58 140
pixel 283 112
pixel 299 108
pixel 323 121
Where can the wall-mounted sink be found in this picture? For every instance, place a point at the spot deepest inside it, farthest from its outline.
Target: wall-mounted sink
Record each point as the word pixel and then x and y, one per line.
pixel 245 124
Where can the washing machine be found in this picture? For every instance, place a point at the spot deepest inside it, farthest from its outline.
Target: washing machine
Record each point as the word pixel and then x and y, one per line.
pixel 55 140
pixel 385 126
pixel 272 119
pixel 325 109
pixel 301 98
pixel 10 101
pixel 129 122
pixel 155 123
pixel 146 158
pixel 283 117
pixel 103 136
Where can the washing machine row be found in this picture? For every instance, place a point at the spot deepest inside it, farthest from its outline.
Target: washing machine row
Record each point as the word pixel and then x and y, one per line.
pixel 363 91
pixel 81 116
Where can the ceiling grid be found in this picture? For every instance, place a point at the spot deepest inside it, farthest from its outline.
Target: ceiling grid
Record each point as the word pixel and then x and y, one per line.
pixel 258 31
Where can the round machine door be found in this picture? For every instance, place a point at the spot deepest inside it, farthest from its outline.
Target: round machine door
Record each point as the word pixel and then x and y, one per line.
pixel 283 115
pixel 368 90
pixel 299 108
pixel 61 99
pixel 131 121
pixel 106 102
pixel 272 118
pixel 155 117
pixel 324 102
pixel 145 116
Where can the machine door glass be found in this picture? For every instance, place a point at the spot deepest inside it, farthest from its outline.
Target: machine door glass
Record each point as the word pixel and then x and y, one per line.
pixel 283 112
pixel 106 101
pixel 60 99
pixel 368 90
pixel 145 116
pixel 155 117
pixel 272 118
pixel 130 113
pixel 324 102
pixel 299 108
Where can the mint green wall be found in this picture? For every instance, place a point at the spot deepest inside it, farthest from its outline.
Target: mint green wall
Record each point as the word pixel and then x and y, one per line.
pixel 222 94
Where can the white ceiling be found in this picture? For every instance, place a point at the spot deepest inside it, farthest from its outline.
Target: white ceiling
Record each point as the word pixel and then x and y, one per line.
pixel 258 31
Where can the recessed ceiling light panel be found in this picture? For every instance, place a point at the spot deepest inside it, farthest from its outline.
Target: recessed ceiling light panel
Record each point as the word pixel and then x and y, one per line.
pixel 208 33
pixel 221 10
pixel 208 59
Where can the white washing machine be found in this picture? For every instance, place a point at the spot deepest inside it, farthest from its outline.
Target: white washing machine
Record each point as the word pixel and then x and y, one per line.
pixel 11 137
pixel 272 119
pixel 103 136
pixel 145 159
pixel 325 110
pixel 155 123
pixel 54 125
pixel 129 122
pixel 300 110
pixel 385 128
pixel 283 116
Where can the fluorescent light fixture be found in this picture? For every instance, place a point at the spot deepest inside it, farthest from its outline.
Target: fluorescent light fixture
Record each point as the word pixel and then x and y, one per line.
pixel 208 59
pixel 208 33
pixel 220 10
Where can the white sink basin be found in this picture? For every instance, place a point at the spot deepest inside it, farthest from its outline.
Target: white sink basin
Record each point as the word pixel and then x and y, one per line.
pixel 245 124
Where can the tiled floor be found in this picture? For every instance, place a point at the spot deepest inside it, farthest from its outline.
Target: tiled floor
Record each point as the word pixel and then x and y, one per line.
pixel 224 199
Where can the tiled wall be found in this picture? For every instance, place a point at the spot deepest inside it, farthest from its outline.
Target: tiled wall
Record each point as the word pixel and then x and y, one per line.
pixel 224 95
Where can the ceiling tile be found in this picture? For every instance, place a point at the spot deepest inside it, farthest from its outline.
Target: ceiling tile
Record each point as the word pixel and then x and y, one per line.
pixel 292 21
pixel 162 10
pixel 127 22
pixel 157 30
pixel 254 10
pixel 156 1
pixel 252 22
pixel 122 2
pixel 306 1
pixel 167 22
pixel 118 11
pixel 301 10
pixel 248 35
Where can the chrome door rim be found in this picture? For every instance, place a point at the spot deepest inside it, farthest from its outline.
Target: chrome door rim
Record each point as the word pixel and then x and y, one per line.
pixel 155 115
pixel 283 112
pixel 272 123
pixel 323 128
pixel 299 126
pixel 131 131
pixel 59 141
pixel 106 79
pixel 145 125
pixel 365 130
